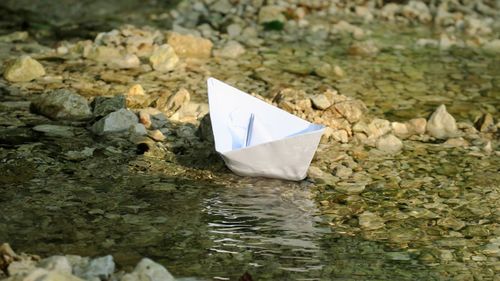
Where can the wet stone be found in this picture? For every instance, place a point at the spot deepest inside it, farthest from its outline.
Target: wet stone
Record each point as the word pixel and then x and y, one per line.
pixel 164 58
pixel 115 122
pixel 389 144
pixel 370 221
pixel 102 106
pixel 190 45
pixel 441 124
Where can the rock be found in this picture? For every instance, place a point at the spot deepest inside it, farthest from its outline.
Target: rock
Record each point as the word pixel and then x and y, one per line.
pixel 23 69
pixel 21 267
pixel 321 102
pixel 55 130
pixel 148 270
pixel 16 36
pixel 176 101
pixel 221 6
pixel 62 104
pixel 416 126
pixel 343 172
pixel 338 71
pixel 269 14
pixel 364 49
pixel 138 129
pixel 400 130
pixel 115 122
pixel 441 124
pixel 345 27
pixel 350 187
pixel 189 46
pixel 352 110
pixel 74 155
pixel 101 268
pixel 157 135
pixel 340 136
pixel 103 106
pixel 7 256
pixel 136 97
pixel 492 47
pixel 127 61
pixel 417 10
pixel 164 58
pixel 145 118
pixel 231 50
pixel 103 54
pixel 234 30
pixel 40 274
pixel 370 221
pixel 56 263
pixel 377 128
pixel 485 123
pixel 205 129
pixel 457 142
pixel 389 144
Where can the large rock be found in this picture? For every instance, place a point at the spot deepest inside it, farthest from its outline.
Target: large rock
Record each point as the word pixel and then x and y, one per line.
pixel 116 122
pixel 148 270
pixel 23 69
pixel 190 45
pixel 164 58
pixel 441 124
pixel 62 104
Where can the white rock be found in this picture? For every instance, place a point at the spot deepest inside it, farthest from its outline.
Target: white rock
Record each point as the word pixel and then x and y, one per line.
pixel 416 126
pixel 57 263
pixel 340 136
pixel 164 58
pixel 62 104
pixel 41 274
pixel 125 62
pixel 148 270
pixel 115 122
pixel 441 124
pixel 389 144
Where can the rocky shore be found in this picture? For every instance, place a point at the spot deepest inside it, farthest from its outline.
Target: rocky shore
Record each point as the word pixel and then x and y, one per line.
pixel 408 92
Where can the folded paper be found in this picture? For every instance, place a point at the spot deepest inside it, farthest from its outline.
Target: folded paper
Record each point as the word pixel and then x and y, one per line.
pixel 257 139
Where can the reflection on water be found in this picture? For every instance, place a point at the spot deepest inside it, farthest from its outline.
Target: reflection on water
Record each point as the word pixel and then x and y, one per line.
pixel 269 219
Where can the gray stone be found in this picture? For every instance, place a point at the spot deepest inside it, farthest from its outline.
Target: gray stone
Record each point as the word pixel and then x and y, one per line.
pixel 103 105
pixel 23 69
pixel 62 104
pixel 101 268
pixel 164 58
pixel 115 122
pixel 389 144
pixel 138 129
pixel 321 102
pixel 441 124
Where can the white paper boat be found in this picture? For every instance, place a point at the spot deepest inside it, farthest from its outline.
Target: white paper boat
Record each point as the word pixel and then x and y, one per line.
pixel 258 139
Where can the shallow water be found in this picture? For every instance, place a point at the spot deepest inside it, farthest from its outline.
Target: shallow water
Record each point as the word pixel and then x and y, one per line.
pixel 118 203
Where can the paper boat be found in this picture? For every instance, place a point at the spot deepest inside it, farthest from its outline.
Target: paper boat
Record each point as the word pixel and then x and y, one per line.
pixel 258 139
